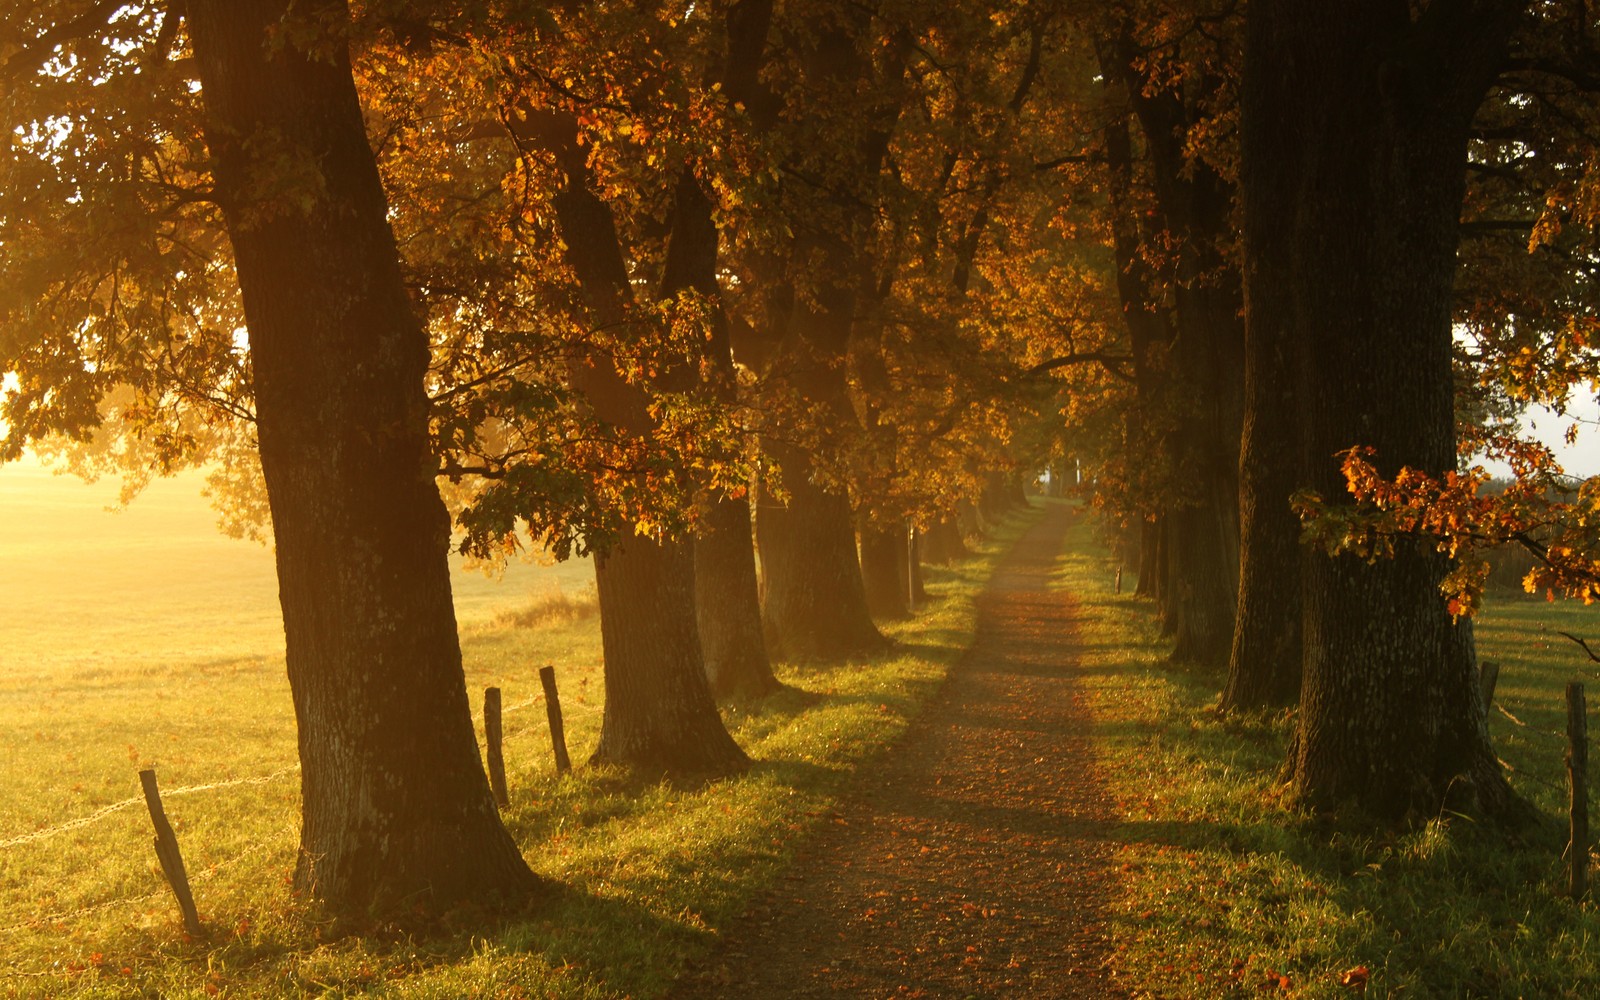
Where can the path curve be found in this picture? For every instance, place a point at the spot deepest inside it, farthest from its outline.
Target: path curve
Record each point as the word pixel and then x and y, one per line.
pixel 972 863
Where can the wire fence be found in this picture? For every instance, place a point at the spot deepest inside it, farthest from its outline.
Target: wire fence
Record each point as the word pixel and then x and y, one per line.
pixel 105 812
pixel 55 919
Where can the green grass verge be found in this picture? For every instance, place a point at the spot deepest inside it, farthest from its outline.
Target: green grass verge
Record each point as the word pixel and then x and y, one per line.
pixel 643 874
pixel 1224 893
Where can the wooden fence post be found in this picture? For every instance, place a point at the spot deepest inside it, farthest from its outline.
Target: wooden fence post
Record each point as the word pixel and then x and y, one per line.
pixel 1577 776
pixel 491 736
pixel 167 853
pixel 911 567
pixel 552 707
pixel 1488 677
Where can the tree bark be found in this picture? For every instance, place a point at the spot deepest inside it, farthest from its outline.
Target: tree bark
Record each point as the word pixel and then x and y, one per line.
pixel 942 544
pixel 814 601
pixel 1150 561
pixel 1265 661
pixel 1381 101
pixel 884 569
pixel 1207 364
pixel 659 713
pixel 919 591
pixel 727 600
pixel 395 805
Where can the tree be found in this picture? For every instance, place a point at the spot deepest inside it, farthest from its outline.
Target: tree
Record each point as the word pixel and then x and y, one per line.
pixel 659 712
pixel 1355 127
pixel 813 598
pixel 1173 64
pixel 396 805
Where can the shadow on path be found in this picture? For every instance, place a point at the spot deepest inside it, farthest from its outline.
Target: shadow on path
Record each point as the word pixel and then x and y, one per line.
pixel 972 863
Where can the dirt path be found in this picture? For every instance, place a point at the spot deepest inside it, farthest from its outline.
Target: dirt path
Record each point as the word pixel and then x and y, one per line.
pixel 970 865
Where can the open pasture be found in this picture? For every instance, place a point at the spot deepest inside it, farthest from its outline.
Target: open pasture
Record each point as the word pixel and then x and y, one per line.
pixel 639 873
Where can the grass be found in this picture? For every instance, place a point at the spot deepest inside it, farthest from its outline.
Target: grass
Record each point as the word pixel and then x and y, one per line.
pixel 642 874
pixel 554 607
pixel 1227 894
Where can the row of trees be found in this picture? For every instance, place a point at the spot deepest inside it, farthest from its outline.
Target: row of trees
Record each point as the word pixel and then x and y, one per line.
pixel 591 277
pixel 1365 238
pixel 606 277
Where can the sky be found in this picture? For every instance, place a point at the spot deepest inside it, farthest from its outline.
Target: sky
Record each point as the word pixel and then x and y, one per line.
pixel 1582 458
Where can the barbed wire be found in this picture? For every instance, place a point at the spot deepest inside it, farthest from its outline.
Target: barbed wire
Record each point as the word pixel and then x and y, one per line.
pixel 106 812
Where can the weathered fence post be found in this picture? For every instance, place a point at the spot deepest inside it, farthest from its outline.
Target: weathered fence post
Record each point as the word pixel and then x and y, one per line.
pixel 1488 677
pixel 1577 776
pixel 552 707
pixel 492 736
pixel 167 852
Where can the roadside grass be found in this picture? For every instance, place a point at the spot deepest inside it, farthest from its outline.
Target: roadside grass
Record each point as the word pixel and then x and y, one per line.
pixel 1226 893
pixel 641 874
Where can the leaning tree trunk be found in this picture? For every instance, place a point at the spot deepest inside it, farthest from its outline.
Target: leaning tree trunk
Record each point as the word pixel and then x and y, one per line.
pixel 1379 110
pixel 395 805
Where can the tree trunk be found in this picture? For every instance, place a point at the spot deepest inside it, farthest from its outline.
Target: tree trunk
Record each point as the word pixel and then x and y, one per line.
pixel 814 602
pixel 659 712
pixel 1265 662
pixel 942 544
pixel 396 808
pixel 969 520
pixel 1207 360
pixel 1149 560
pixel 884 568
pixel 727 600
pixel 1378 110
pixel 919 592
pixel 727 594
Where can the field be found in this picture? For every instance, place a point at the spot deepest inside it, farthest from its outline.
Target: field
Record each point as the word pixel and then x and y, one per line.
pixel 1228 894
pixel 169 659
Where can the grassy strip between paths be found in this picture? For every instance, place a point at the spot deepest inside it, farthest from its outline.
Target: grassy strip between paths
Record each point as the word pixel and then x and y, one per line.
pixel 642 874
pixel 1225 893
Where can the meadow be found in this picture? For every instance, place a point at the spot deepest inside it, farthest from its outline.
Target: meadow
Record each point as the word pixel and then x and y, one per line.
pixel 123 651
